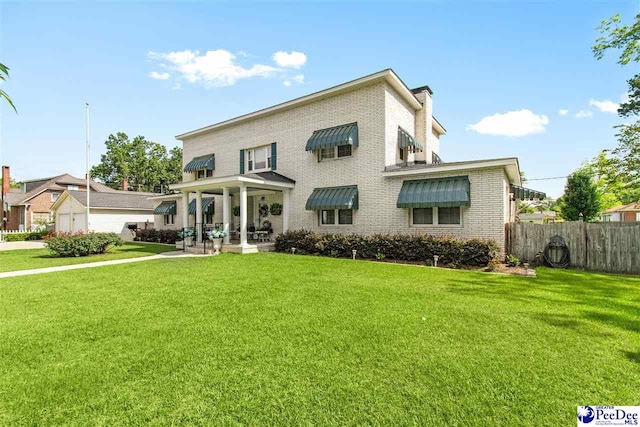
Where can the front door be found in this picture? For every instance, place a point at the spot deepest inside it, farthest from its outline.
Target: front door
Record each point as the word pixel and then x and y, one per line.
pixel 250 212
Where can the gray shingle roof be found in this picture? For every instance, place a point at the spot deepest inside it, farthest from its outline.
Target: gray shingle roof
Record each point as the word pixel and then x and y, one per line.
pixel 118 199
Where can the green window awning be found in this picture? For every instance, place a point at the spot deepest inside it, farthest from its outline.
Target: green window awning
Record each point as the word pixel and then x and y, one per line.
pixel 333 198
pixel 333 137
pixel 207 205
pixel 522 193
pixel 165 208
pixel 439 192
pixel 207 162
pixel 406 141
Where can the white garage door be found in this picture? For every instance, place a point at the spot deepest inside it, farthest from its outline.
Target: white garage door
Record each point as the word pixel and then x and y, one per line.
pixel 78 222
pixel 62 225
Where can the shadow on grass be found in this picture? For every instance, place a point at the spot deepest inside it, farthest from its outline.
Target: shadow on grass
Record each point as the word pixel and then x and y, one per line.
pixel 633 356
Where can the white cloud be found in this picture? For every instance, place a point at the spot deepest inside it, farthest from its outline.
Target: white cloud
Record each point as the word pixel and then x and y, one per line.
pixel 213 68
pixel 511 123
pixel 290 60
pixel 605 106
pixel 298 79
pixel 563 112
pixel 582 114
pixel 159 76
pixel 287 83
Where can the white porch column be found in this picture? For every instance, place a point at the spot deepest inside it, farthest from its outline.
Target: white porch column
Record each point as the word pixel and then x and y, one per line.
pixel 226 214
pixel 243 215
pixel 285 209
pixel 185 209
pixel 198 221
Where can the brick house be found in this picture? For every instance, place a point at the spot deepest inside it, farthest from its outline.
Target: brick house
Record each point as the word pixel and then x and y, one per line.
pixel 29 206
pixel 360 157
pixel 624 213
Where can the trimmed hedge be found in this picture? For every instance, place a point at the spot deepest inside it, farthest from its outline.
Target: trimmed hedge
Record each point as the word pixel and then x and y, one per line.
pixel 80 244
pixel 452 251
pixel 27 235
pixel 157 236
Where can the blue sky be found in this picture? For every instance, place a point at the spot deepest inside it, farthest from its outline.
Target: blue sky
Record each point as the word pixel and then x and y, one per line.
pixel 480 59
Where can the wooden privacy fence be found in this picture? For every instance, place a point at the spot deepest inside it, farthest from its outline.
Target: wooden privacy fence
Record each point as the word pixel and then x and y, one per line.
pixel 610 246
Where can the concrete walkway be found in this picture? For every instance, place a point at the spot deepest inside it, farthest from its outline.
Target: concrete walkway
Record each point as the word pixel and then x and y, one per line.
pixel 11 246
pixel 164 255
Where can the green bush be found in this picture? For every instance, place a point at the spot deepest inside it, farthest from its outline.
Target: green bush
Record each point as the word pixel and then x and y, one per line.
pixel 27 235
pixel 451 251
pixel 157 236
pixel 512 260
pixel 80 244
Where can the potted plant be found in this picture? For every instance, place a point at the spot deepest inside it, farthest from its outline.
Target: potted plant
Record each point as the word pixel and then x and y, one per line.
pixel 187 236
pixel 276 209
pixel 216 237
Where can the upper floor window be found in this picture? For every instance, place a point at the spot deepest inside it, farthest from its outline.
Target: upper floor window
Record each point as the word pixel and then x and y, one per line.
pixel 54 196
pixel 259 159
pixel 337 152
pixel 204 173
pixel 73 187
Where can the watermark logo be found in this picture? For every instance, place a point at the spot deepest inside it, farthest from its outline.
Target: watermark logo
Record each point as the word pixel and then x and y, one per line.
pixel 589 416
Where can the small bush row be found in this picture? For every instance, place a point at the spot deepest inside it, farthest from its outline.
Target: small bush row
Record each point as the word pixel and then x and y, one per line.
pixel 157 236
pixel 451 251
pixel 27 235
pixel 81 244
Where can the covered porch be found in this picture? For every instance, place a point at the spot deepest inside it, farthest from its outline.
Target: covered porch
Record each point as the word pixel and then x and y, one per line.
pixel 242 236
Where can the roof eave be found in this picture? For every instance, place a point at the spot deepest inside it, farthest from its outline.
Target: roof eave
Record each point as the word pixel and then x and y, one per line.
pixel 389 75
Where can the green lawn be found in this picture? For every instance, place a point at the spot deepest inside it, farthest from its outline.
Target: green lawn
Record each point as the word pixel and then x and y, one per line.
pixel 26 259
pixel 269 339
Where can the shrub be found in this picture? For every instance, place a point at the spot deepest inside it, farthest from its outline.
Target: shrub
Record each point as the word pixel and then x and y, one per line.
pixel 27 235
pixel 80 244
pixel 451 251
pixel 512 260
pixel 157 236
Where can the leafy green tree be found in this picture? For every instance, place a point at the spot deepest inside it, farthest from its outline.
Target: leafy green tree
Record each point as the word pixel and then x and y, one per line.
pixel 625 160
pixel 580 197
pixel 146 165
pixel 12 183
pixel 4 75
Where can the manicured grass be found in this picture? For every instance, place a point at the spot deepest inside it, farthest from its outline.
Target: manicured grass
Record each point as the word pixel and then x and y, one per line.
pixel 270 339
pixel 26 259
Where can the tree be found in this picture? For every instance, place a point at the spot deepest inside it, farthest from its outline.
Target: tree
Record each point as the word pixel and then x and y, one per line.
pixel 12 183
pixel 4 75
pixel 625 160
pixel 144 164
pixel 580 197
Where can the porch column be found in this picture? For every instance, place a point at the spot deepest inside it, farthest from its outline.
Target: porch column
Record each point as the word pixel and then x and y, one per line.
pixel 198 221
pixel 185 209
pixel 243 215
pixel 285 209
pixel 226 214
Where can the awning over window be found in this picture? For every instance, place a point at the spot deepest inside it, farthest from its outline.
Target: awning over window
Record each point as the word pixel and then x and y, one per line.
pixel 165 208
pixel 406 141
pixel 207 205
pixel 332 137
pixel 522 193
pixel 201 162
pixel 439 192
pixel 333 198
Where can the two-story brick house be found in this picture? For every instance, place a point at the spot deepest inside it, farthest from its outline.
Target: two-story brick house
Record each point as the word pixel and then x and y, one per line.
pixel 360 157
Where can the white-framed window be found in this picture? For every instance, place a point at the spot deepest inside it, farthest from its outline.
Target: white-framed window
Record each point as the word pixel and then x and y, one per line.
pixel 638 216
pixel 169 219
pixel 259 159
pixel 336 217
pixel 54 196
pixel 204 173
pixel 436 216
pixel 339 152
pixel 73 187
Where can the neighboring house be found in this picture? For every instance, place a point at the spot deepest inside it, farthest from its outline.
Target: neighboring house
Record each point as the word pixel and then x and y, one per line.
pixel 29 207
pixel 360 157
pixel 624 213
pixel 546 217
pixel 109 212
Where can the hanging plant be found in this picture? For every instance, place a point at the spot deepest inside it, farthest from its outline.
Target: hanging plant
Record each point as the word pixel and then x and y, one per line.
pixel 276 209
pixel 236 211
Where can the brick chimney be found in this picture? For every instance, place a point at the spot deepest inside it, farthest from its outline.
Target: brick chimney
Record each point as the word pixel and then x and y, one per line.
pixel 125 184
